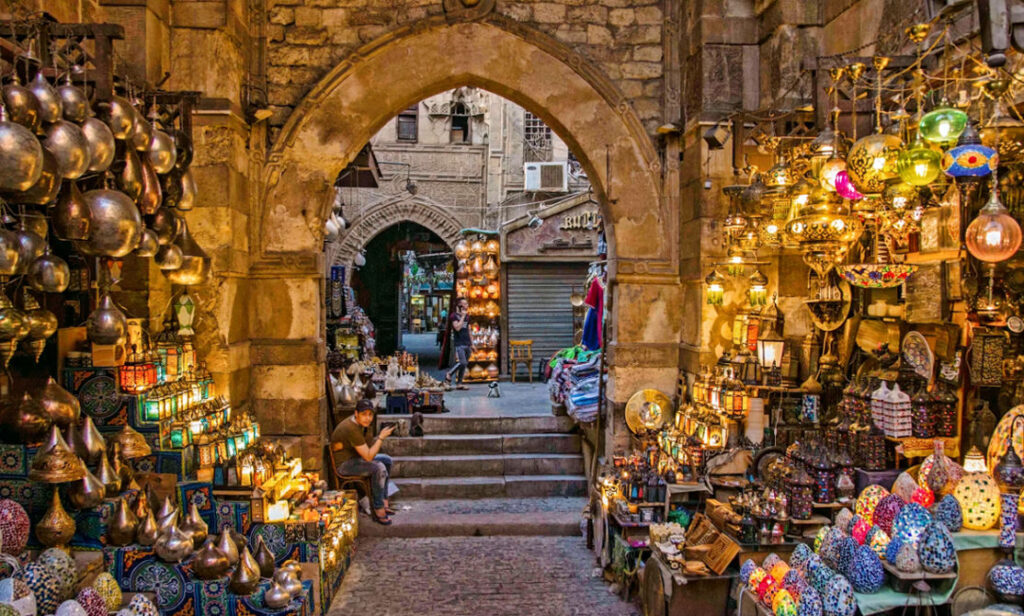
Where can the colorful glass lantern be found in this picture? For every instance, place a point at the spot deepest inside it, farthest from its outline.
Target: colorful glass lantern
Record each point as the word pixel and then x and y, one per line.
pixel 919 164
pixel 844 186
pixel 716 288
pixel 868 500
pixel 979 500
pixel 829 172
pixel 872 162
pixel 1009 476
pixel 758 292
pixel 230 446
pixel 942 125
pixel 993 236
pixel 970 159
pixel 974 461
pixel 151 407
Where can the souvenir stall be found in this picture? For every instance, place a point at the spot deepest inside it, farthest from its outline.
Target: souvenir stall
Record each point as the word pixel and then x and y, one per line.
pixel 477 280
pixel 869 457
pixel 350 333
pixel 126 479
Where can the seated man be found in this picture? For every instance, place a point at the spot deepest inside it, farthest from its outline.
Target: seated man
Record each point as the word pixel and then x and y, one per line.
pixel 355 456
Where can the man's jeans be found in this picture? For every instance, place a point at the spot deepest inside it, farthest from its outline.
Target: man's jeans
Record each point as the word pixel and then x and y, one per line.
pixel 379 471
pixel 462 357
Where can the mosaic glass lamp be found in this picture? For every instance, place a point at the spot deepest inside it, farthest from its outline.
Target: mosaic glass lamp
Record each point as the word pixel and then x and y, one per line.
pixel 716 288
pixel 970 159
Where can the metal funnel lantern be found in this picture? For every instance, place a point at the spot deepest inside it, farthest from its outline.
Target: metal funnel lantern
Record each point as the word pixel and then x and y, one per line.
pixel 107 324
pixel 41 324
pixel 195 263
pixel 13 328
pixel 54 462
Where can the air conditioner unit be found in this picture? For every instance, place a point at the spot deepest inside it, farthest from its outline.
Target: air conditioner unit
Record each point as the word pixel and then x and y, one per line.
pixel 547 177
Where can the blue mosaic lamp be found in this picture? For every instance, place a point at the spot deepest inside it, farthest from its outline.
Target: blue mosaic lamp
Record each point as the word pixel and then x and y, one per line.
pixel 970 159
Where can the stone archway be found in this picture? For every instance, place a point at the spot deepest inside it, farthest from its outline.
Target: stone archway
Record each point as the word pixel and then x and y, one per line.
pixel 382 215
pixel 351 103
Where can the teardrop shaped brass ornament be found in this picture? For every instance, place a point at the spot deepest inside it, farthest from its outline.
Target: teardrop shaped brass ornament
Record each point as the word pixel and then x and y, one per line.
pixel 148 532
pixel 48 273
pixel 170 184
pixel 129 173
pixel 21 155
pixel 151 196
pixel 54 462
pixel 227 545
pixel 288 581
pixel 141 134
pixel 148 244
pixel 161 151
pixel 187 201
pixel 246 577
pixel 56 527
pixel 264 558
pixel 41 325
pixel 166 509
pixel 169 258
pixel 61 407
pixel 87 492
pixel 119 116
pixel 74 103
pixel 69 145
pixel 115 224
pixel 86 441
pixel 209 562
pixel 121 530
pixel 196 526
pixel 111 480
pixel 22 105
pixel 71 217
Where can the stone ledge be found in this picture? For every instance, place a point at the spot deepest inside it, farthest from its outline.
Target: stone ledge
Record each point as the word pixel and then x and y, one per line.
pixel 286 352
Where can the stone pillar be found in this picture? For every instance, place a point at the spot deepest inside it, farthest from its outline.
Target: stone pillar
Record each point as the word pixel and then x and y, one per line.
pixel 146 48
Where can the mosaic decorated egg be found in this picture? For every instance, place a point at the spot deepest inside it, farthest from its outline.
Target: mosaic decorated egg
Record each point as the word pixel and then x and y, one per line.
pixel 868 500
pixel 7 610
pixel 107 587
pixel 810 603
pixel 92 602
pixel 70 608
pixel 843 519
pixel 43 584
pixel 819 574
pixel 783 604
pixel 62 566
pixel 838 599
pixel 860 531
pixel 978 496
pixel 948 512
pixel 847 550
pixel 829 551
pixel 885 512
pixel 794 583
pixel 866 574
pixel 936 550
pixel 14 527
pixel 910 523
pixel 1007 578
pixel 800 555
pixel 770 561
pixel 923 497
pixel 141 606
pixel 904 486
pixel 779 571
pixel 766 590
pixel 746 569
pixel 819 538
pixel 755 579
pixel 878 541
pixel 13 589
pixel 1006 607
pixel 907 559
pixel 893 549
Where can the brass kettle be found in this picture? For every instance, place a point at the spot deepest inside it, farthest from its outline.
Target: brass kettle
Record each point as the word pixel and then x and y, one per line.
pixel 121 530
pixel 246 577
pixel 209 562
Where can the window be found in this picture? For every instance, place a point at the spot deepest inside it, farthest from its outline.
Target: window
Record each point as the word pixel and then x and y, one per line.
pixel 460 123
pixel 408 124
pixel 537 139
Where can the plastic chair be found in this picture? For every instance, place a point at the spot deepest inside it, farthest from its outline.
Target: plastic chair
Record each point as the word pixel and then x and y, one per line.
pixel 520 351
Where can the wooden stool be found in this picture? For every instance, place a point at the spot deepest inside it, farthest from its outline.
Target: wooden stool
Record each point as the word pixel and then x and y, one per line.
pixel 520 351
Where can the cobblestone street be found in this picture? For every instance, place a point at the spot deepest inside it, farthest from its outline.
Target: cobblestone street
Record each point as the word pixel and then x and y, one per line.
pixel 468 576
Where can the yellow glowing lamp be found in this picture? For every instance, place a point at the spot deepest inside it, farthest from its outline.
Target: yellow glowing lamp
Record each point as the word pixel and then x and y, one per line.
pixel 974 461
pixel 278 511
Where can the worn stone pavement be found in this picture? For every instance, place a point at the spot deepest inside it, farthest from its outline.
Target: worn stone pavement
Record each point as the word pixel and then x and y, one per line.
pixel 475 576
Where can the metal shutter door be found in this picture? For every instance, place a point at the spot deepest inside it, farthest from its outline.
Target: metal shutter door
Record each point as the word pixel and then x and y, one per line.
pixel 538 305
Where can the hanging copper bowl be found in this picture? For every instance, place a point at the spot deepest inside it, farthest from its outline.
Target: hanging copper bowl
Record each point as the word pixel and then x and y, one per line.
pixel 54 462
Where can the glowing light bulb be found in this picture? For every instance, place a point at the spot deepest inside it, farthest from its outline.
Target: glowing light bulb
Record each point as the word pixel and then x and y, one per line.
pixel 945 128
pixel 994 235
pixel 772 228
pixel 878 164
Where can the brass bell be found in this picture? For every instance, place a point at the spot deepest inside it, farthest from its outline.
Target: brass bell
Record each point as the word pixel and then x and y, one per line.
pixel 264 558
pixel 246 577
pixel 87 492
pixel 227 545
pixel 121 530
pixel 61 407
pixel 111 480
pixel 209 562
pixel 56 527
pixel 148 532
pixel 87 441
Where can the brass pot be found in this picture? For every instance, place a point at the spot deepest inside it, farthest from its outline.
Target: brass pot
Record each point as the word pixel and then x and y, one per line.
pixel 56 527
pixel 246 577
pixel 119 115
pixel 107 324
pixel 74 103
pixel 128 172
pixel 195 264
pixel 264 558
pixel 150 197
pixel 121 530
pixel 183 146
pixel 227 545
pixel 48 273
pixel 148 244
pixel 188 191
pixel 86 441
pixel 54 462
pixel 87 492
pixel 132 444
pixel 48 98
pixel 162 152
pixel 46 188
pixel 30 247
pixel 22 105
pixel 142 133
pixel 276 597
pixel 148 532
pixel 68 143
pixel 196 526
pixel 61 407
pixel 101 144
pixel 109 477
pixel 165 224
pixel 209 562
pixel 71 216
pixel 115 224
pixel 174 545
pixel 41 325
pixel 21 155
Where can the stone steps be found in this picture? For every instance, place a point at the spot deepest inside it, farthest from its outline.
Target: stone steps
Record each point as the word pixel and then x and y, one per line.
pixel 488 465
pixel 481 444
pixel 510 486
pixel 454 424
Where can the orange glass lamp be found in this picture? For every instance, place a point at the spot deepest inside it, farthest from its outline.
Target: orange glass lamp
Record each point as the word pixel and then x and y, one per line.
pixel 993 236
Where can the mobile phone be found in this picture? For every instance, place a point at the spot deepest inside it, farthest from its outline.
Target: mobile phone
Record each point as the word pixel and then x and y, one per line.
pixel 388 424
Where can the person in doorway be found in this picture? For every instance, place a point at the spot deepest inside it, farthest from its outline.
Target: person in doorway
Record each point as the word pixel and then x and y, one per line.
pixel 356 452
pixel 441 322
pixel 458 322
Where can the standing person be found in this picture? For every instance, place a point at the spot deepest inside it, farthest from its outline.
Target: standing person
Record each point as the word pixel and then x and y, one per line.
pixel 459 324
pixel 441 324
pixel 356 452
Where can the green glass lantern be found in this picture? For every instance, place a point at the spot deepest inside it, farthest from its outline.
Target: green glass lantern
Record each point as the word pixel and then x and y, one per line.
pixel 716 288
pixel 151 409
pixel 942 125
pixel 919 164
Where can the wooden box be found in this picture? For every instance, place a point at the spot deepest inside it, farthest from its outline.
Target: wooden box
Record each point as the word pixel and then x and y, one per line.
pixel 722 549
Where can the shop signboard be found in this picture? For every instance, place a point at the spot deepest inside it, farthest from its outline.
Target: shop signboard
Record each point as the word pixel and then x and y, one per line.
pixel 569 232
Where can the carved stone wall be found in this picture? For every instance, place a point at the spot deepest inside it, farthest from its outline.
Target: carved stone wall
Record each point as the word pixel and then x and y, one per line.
pixel 383 215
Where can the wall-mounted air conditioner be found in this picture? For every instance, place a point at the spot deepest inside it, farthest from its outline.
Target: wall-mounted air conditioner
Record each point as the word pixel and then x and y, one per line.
pixel 546 177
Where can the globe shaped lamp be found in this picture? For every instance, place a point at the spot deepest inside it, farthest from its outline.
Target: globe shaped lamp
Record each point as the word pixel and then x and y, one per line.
pixel 993 236
pixel 919 164
pixel 1009 475
pixel 970 159
pixel 827 175
pixel 872 162
pixel 942 125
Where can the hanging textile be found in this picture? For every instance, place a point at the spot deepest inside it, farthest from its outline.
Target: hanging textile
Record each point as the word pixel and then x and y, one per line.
pixel 594 301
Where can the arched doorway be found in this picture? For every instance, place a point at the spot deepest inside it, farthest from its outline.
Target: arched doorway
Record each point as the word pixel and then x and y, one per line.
pixel 343 111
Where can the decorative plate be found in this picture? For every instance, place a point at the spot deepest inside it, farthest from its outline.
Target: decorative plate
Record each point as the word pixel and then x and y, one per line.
pixel 876 275
pixel 918 354
pixel 647 410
